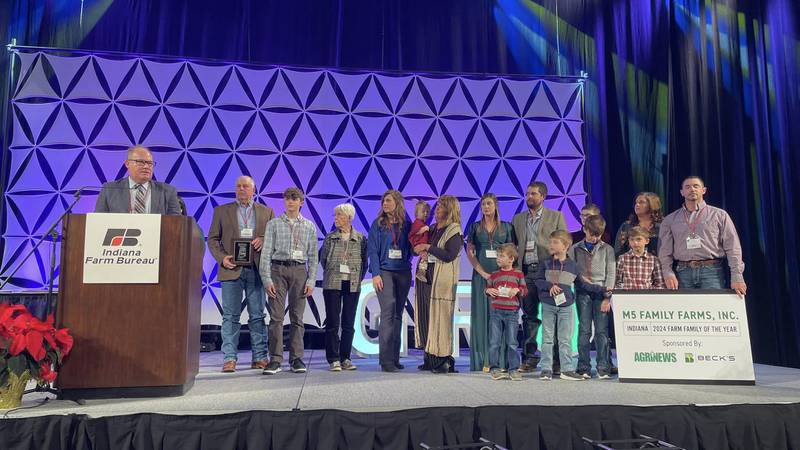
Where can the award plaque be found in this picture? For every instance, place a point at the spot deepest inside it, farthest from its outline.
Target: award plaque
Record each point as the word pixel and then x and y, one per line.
pixel 242 252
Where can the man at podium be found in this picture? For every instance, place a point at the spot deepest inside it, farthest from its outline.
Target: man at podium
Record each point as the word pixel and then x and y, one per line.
pixel 138 193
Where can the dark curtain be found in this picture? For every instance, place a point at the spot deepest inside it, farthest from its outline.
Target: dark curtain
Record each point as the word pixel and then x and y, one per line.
pixel 706 87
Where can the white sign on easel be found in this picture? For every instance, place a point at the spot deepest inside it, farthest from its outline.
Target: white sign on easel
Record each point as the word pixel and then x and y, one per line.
pixel 682 336
pixel 121 248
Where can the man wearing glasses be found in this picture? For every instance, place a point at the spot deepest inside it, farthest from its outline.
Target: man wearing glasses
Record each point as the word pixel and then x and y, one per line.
pixel 138 193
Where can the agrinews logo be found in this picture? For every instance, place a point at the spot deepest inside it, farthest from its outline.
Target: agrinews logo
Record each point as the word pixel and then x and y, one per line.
pixel 122 237
pixel 655 357
pixel 691 358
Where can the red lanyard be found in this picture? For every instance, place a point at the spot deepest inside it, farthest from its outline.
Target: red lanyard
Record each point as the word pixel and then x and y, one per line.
pixel 246 215
pixel 692 224
pixel 555 282
pixel 394 234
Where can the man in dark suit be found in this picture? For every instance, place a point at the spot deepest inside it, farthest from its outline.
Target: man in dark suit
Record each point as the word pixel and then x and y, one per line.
pixel 243 219
pixel 138 193
pixel 533 228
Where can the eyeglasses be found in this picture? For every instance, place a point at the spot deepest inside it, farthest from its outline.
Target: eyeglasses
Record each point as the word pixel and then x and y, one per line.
pixel 143 163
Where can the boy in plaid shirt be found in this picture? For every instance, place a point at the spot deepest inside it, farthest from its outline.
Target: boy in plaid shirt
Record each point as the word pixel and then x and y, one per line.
pixel 638 269
pixel 505 288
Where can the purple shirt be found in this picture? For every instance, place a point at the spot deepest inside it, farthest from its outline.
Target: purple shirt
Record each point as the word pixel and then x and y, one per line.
pixel 718 239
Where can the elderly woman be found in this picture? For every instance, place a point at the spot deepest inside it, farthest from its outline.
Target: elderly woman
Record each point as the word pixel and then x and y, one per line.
pixel 389 253
pixel 436 296
pixel 483 239
pixel 344 262
pixel 646 214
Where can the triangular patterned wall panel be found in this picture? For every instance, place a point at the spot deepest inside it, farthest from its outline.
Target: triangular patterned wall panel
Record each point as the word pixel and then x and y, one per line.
pixel 341 137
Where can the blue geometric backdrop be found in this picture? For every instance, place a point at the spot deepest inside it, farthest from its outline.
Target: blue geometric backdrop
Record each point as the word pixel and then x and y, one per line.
pixel 340 136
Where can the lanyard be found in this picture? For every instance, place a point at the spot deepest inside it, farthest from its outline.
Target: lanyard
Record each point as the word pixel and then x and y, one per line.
pixel 555 281
pixel 491 235
pixel 295 233
pixel 394 234
pixel 692 224
pixel 248 212
pixel 346 255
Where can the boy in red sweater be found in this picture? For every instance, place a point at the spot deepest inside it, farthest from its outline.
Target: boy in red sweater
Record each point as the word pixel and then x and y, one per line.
pixel 505 288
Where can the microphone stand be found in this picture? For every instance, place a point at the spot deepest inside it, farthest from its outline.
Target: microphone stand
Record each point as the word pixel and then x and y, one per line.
pixel 49 303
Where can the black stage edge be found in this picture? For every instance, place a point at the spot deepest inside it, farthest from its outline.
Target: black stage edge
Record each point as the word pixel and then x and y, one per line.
pixel 750 427
pixel 708 382
pixel 125 392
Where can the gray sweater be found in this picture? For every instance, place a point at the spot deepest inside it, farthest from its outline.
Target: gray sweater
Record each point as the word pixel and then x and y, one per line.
pixel 599 265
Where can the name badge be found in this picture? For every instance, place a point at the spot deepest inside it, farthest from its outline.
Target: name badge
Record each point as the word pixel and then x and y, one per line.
pixel 491 254
pixel 560 299
pixel 344 268
pixel 395 253
pixel 298 255
pixel 431 259
pixel 246 233
pixel 693 242
pixel 504 291
pixel 530 245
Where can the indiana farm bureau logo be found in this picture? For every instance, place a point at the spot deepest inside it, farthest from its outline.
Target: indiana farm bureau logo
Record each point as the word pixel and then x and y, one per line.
pixel 122 237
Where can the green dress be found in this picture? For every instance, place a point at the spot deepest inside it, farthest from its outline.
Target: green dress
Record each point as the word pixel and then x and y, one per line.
pixel 479 307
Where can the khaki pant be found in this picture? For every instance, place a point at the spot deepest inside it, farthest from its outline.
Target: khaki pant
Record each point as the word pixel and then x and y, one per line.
pixel 289 280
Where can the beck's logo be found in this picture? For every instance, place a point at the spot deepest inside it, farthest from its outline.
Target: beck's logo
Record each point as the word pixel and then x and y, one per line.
pixel 122 237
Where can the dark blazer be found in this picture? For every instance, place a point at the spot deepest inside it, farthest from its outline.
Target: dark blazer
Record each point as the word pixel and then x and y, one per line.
pixel 115 197
pixel 225 228
pixel 552 220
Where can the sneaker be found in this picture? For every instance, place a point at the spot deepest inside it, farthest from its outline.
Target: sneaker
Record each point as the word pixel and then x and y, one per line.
pixel 571 376
pixel 587 375
pixel 497 374
pixel 298 366
pixel 546 375
pixel 336 366
pixel 516 375
pixel 603 375
pixel 348 365
pixel 272 368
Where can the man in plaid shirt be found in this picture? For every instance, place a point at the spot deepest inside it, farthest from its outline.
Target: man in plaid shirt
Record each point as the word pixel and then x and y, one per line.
pixel 638 269
pixel 288 265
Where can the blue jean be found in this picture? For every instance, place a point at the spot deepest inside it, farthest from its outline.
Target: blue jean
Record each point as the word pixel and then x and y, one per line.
pixel 712 277
pixel 561 318
pixel 588 313
pixel 249 284
pixel 503 327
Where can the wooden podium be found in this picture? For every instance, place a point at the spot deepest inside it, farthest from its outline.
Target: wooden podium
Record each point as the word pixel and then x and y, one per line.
pixel 132 340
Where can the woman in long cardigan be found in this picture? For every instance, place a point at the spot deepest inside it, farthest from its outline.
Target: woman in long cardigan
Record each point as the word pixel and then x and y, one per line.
pixel 436 296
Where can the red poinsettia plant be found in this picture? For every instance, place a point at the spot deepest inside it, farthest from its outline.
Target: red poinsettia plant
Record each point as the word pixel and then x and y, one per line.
pixel 30 344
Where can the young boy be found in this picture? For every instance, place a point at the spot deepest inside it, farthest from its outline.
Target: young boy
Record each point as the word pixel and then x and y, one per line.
pixel 505 288
pixel 555 279
pixel 419 234
pixel 638 269
pixel 596 266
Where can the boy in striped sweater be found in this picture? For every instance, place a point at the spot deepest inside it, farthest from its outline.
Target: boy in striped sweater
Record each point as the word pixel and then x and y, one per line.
pixel 505 288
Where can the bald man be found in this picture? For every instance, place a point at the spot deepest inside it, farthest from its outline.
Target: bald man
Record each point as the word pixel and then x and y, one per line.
pixel 138 193
pixel 243 219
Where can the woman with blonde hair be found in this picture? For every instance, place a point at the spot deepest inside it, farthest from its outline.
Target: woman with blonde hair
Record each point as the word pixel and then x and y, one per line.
pixel 646 214
pixel 436 296
pixel 389 254
pixel 484 237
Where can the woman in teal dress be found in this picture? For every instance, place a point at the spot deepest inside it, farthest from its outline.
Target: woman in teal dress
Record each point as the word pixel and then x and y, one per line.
pixel 483 239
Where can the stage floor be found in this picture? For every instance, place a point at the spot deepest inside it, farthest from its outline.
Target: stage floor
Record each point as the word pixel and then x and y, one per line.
pixel 367 389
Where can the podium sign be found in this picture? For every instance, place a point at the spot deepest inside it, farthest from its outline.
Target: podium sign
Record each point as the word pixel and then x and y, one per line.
pixel 121 248
pixel 682 336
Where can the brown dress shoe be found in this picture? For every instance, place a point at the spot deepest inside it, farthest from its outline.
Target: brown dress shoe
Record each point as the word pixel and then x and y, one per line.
pixel 229 366
pixel 260 364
